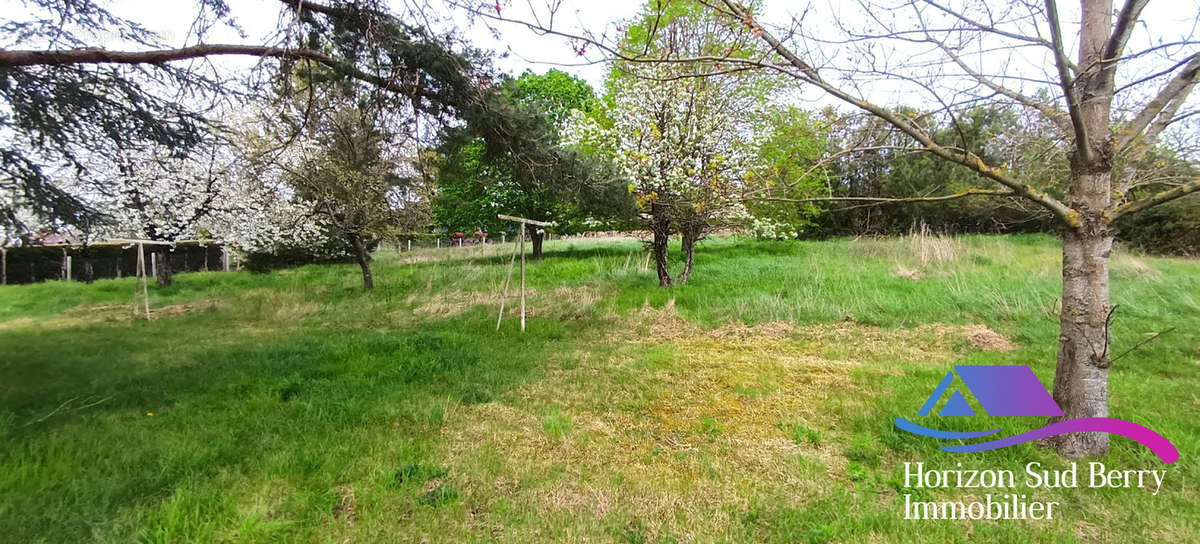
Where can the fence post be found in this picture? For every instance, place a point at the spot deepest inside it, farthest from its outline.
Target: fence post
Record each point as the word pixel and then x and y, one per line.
pixel 154 263
pixel 68 268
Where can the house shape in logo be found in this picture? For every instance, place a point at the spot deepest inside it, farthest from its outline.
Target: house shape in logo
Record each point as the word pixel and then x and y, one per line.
pixel 1001 390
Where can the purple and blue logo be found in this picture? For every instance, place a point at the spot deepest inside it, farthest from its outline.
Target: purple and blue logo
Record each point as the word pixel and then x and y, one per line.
pixel 1014 391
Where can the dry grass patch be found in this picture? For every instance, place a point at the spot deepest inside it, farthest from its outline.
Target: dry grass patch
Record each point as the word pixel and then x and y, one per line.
pixel 560 302
pixel 680 426
pixel 107 313
pixel 980 336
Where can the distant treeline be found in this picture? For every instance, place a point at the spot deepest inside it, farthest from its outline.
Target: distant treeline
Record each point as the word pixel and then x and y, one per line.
pixel 887 168
pixel 1169 229
pixel 31 264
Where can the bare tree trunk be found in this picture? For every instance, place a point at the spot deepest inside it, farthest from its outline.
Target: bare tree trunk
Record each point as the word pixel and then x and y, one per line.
pixel 536 236
pixel 660 225
pixel 163 273
pixel 364 260
pixel 1081 374
pixel 689 237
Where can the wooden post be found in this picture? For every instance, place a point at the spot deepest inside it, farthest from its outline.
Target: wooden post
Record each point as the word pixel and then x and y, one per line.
pixel 522 277
pixel 519 247
pixel 507 281
pixel 3 265
pixel 68 268
pixel 410 245
pixel 154 263
pixel 141 278
pixel 439 240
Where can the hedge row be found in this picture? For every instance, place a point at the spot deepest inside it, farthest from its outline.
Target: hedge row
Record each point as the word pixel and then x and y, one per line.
pixel 31 264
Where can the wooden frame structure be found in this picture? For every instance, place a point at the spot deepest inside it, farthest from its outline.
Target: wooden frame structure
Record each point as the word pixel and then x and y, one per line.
pixel 140 270
pixel 518 246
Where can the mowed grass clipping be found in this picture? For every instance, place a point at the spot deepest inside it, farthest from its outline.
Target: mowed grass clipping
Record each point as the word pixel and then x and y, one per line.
pixel 753 405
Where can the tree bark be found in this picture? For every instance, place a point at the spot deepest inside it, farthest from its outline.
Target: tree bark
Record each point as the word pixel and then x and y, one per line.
pixel 163 274
pixel 660 225
pixel 536 236
pixel 688 238
pixel 1081 373
pixel 364 260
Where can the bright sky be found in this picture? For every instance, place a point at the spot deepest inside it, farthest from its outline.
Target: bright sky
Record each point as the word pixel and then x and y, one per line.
pixel 520 48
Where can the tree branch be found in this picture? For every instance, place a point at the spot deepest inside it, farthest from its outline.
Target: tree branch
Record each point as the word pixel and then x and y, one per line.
pixel 21 58
pixel 1067 82
pixel 1167 101
pixel 888 200
pixel 1154 200
pixel 1060 211
pixel 1123 28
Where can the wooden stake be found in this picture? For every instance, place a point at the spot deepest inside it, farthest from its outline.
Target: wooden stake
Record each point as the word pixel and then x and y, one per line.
pixel 141 278
pixel 522 277
pixel 507 281
pixel 68 268
pixel 154 264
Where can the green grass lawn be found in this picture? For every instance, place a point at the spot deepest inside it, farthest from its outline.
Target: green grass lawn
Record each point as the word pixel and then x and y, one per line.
pixel 755 404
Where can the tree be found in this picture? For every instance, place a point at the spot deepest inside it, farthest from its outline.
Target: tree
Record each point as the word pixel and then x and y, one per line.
pixel 789 164
pixel 70 103
pixel 525 170
pixel 350 181
pixel 159 197
pixel 686 141
pixel 1108 105
pixel 1104 144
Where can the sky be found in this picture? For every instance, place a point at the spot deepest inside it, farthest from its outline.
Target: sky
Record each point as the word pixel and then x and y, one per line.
pixel 519 48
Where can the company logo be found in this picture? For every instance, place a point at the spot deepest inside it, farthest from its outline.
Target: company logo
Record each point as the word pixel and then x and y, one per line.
pixel 1014 391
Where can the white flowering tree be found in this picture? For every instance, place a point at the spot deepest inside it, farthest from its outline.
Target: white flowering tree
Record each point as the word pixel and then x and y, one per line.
pixel 156 195
pixel 686 134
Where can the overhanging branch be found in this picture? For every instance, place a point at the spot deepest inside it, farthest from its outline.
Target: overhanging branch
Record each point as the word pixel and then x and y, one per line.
pixel 1061 211
pixel 885 200
pixel 25 58
pixel 1154 200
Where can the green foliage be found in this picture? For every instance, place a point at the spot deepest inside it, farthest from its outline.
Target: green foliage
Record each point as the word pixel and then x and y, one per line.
pixel 511 162
pixel 788 166
pixel 555 94
pixel 1169 229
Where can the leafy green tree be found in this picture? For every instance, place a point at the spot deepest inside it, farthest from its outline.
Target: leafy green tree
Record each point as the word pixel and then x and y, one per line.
pixel 686 132
pixel 524 170
pixel 350 181
pixel 789 165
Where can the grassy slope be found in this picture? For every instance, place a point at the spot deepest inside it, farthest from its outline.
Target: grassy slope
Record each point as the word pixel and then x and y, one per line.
pixel 754 404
